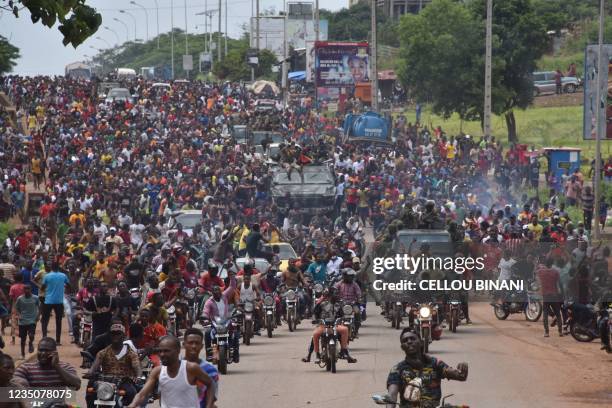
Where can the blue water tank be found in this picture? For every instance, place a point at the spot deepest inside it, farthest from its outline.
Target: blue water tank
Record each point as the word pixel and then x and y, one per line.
pixel 368 126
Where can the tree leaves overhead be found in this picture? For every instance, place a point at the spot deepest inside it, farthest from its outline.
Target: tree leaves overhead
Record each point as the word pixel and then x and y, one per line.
pixel 77 21
pixel 8 56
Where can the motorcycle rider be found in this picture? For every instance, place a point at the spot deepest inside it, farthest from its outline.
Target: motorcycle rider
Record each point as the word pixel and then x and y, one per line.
pixel 328 295
pixel 211 278
pixel 268 285
pixel 117 360
pixel 348 291
pixel 250 293
pixel 293 279
pixel 415 365
pixel 218 306
pixel 318 269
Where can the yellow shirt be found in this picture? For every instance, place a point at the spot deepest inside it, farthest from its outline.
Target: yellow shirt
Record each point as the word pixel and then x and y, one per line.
pixel 542 214
pixel 450 151
pixel 73 219
pixel 36 166
pixel 536 229
pixel 385 204
pixel 242 242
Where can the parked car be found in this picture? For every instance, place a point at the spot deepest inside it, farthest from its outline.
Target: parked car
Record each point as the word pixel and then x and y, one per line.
pixel 240 134
pixel 544 82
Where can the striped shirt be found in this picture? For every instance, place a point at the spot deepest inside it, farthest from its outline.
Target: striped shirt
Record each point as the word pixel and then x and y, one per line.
pixel 33 375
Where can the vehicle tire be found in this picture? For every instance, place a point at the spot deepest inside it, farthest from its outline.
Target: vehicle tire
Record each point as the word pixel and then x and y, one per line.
pixel 500 312
pixel 86 339
pixel 248 332
pixel 222 363
pixel 569 88
pixel 269 325
pixel 331 357
pixel 425 340
pixel 397 318
pixel 533 311
pixel 580 335
pixel 290 322
pixel 453 321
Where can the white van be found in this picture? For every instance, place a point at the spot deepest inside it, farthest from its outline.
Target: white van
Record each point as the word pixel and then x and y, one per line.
pixel 127 73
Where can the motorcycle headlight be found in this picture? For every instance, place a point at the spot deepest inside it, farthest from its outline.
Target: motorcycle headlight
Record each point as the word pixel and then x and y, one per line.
pixel 425 312
pixel 248 307
pixel 318 288
pixel 190 295
pixel 347 309
pixel 171 309
pixel 105 391
pixel 218 320
pixel 269 301
pixel 290 295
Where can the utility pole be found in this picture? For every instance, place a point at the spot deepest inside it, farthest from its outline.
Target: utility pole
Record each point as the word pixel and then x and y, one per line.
pixel 285 68
pixel 186 39
pixel 257 24
pixel 488 45
pixel 316 22
pixel 226 33
pixel 373 69
pixel 219 35
pixel 602 70
pixel 172 35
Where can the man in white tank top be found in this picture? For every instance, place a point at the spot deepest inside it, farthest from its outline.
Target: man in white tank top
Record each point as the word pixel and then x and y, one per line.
pixel 178 379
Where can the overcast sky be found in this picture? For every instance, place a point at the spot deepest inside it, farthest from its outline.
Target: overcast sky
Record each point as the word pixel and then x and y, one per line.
pixel 41 47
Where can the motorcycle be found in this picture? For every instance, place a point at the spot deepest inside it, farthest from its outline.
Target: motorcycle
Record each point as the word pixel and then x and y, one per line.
pixel 582 321
pixel 329 344
pixel 85 329
pixel 107 391
pixel 190 296
pixel 248 322
pixel 415 397
pixel 224 351
pixel 291 308
pixel 526 302
pixel 269 304
pixel 455 314
pixel 423 323
pixel 172 328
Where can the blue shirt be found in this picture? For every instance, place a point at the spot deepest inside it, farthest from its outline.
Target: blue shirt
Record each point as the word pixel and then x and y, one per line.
pixel 318 271
pixel 55 282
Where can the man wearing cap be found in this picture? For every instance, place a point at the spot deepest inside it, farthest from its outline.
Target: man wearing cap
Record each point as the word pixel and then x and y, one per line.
pixel 116 360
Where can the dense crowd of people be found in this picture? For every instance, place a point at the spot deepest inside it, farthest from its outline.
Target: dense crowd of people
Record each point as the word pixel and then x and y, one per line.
pixel 113 173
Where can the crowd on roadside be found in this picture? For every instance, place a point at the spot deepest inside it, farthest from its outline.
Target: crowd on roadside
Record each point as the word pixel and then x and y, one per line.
pixel 113 173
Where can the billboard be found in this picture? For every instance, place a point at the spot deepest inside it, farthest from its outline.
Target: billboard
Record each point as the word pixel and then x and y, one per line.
pixel 272 36
pixel 591 57
pixel 341 64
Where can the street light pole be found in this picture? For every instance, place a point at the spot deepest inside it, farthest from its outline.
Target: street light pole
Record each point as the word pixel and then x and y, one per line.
pixel 157 15
pixel 127 30
pixel 373 67
pixel 102 39
pixel 316 21
pixel 257 25
pixel 114 32
pixel 488 56
pixel 219 35
pixel 146 16
pixel 172 35
pixel 602 72
pixel 186 39
pixel 226 33
pixel 134 19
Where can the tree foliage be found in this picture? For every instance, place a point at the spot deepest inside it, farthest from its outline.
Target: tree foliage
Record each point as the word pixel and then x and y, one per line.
pixel 354 24
pixel 443 49
pixel 78 21
pixel 560 14
pixel 8 55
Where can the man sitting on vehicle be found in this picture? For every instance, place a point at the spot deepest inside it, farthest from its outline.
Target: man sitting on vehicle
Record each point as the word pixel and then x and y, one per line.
pixel 289 158
pixel 117 360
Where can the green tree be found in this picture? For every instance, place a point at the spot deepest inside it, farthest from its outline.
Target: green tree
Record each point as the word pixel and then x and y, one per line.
pixel 442 57
pixel 8 56
pixel 78 21
pixel 439 57
pixel 234 67
pixel 520 40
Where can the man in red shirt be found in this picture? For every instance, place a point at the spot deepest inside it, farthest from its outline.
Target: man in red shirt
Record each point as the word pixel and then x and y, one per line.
pixel 551 293
pixel 210 278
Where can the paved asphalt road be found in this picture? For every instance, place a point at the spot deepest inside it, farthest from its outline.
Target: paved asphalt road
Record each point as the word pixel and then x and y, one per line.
pixel 511 365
